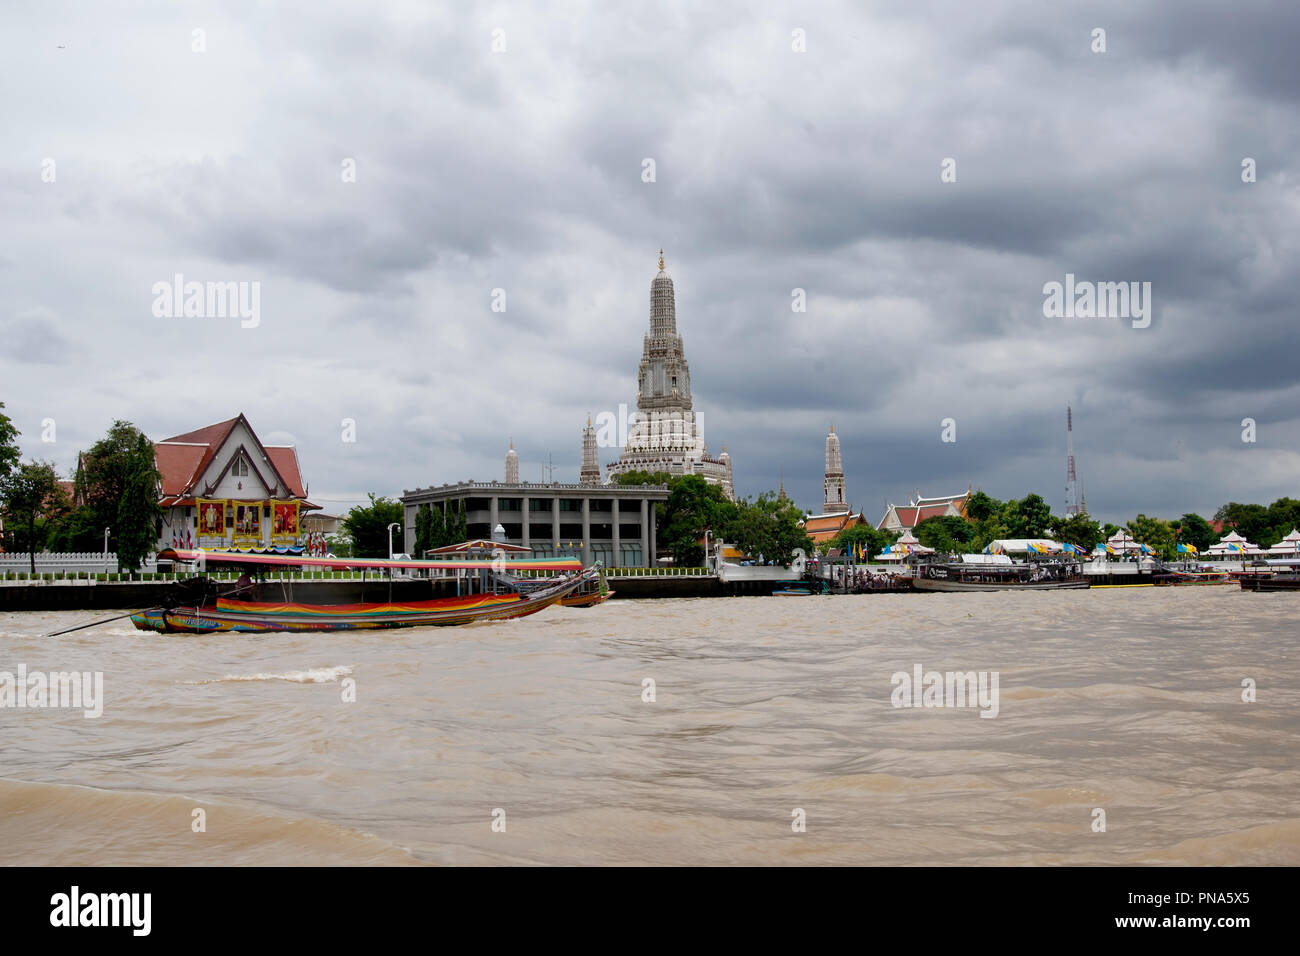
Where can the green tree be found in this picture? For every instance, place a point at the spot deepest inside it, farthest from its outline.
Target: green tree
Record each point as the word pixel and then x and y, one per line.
pixel 139 517
pixel 31 494
pixel 1196 531
pixel 693 507
pixel 105 471
pixel 423 529
pixel 457 527
pixel 871 541
pixel 1251 521
pixel 642 478
pixel 769 526
pixel 1028 518
pixel 981 507
pixel 78 530
pixel 946 533
pixel 9 453
pixel 1154 533
pixel 367 526
pixel 1078 529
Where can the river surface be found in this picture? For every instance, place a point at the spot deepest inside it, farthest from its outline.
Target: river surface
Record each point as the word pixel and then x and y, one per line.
pixel 766 712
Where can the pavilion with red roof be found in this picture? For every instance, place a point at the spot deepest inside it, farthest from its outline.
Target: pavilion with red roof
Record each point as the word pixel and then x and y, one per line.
pixel 222 487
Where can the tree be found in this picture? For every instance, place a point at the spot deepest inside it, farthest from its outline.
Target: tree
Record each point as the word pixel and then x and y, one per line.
pixel 870 541
pixel 1154 533
pixel 642 478
pixel 367 526
pixel 78 530
pixel 1196 531
pixel 693 507
pixel 768 526
pixel 9 453
pixel 105 471
pixel 980 507
pixel 1028 518
pixel 30 493
pixel 423 529
pixel 1251 521
pixel 1078 529
pixel 139 516
pixel 457 530
pixel 945 533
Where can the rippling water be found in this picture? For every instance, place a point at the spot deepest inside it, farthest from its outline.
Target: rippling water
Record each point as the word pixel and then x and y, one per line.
pixel 1124 700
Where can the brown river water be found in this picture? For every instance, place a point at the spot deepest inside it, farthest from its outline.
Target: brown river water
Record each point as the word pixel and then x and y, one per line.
pixel 1128 701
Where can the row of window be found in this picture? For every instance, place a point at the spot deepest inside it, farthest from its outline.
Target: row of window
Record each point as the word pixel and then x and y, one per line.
pixel 595 506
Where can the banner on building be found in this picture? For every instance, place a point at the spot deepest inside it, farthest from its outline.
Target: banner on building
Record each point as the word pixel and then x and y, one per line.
pixel 212 517
pixel 284 520
pixel 248 520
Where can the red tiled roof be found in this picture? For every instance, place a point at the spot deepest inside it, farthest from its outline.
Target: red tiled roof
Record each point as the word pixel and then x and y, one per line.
pixel 284 458
pixel 179 465
pixel 912 516
pixel 182 459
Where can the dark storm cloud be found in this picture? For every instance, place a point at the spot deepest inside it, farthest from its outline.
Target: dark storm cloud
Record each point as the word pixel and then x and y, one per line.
pixel 775 171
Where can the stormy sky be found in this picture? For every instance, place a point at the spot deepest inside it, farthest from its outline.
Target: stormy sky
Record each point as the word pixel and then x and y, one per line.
pixel 135 149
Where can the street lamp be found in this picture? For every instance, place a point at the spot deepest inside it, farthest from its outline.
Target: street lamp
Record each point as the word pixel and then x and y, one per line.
pixel 106 531
pixel 390 539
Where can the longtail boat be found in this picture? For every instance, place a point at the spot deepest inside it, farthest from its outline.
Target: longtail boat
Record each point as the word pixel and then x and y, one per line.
pixel 200 609
pixel 589 594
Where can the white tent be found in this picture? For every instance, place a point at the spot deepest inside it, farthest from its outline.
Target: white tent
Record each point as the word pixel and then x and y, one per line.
pixel 1121 542
pixel 1232 544
pixel 904 546
pixel 1021 545
pixel 1288 547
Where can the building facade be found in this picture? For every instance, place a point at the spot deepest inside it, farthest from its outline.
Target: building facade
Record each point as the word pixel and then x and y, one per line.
pixel 666 435
pixel 223 488
pixel 613 524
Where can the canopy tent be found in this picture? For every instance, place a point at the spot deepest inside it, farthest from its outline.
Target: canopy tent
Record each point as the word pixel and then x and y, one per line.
pixel 1121 542
pixel 904 546
pixel 1024 546
pixel 1288 546
pixel 1232 545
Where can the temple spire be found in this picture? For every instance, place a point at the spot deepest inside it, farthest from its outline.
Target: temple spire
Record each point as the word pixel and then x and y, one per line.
pixel 661 260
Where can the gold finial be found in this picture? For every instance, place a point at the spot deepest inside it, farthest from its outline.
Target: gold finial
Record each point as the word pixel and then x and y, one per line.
pixel 832 429
pixel 589 419
pixel 512 444
pixel 661 260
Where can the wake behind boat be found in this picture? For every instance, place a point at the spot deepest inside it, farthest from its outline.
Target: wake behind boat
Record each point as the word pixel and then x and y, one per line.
pixel 494 595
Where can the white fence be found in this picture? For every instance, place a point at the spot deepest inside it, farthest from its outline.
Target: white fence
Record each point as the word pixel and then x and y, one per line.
pixel 53 561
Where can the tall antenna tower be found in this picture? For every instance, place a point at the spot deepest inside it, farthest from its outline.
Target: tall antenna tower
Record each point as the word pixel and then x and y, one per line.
pixel 1071 479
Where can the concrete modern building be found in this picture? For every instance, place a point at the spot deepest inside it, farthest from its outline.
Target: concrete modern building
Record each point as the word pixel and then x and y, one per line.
pixel 666 435
pixel 613 524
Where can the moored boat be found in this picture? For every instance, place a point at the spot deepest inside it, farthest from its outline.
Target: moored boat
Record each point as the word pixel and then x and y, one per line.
pixel 1282 575
pixel 1005 575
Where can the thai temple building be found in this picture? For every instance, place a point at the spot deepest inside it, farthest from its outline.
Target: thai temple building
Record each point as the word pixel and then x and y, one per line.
pixel 222 488
pixel 589 473
pixel 836 514
pixel 905 517
pixel 665 435
pixel 834 483
pixel 512 465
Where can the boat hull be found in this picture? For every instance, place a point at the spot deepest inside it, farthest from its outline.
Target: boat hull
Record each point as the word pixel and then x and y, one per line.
pixel 250 617
pixel 945 584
